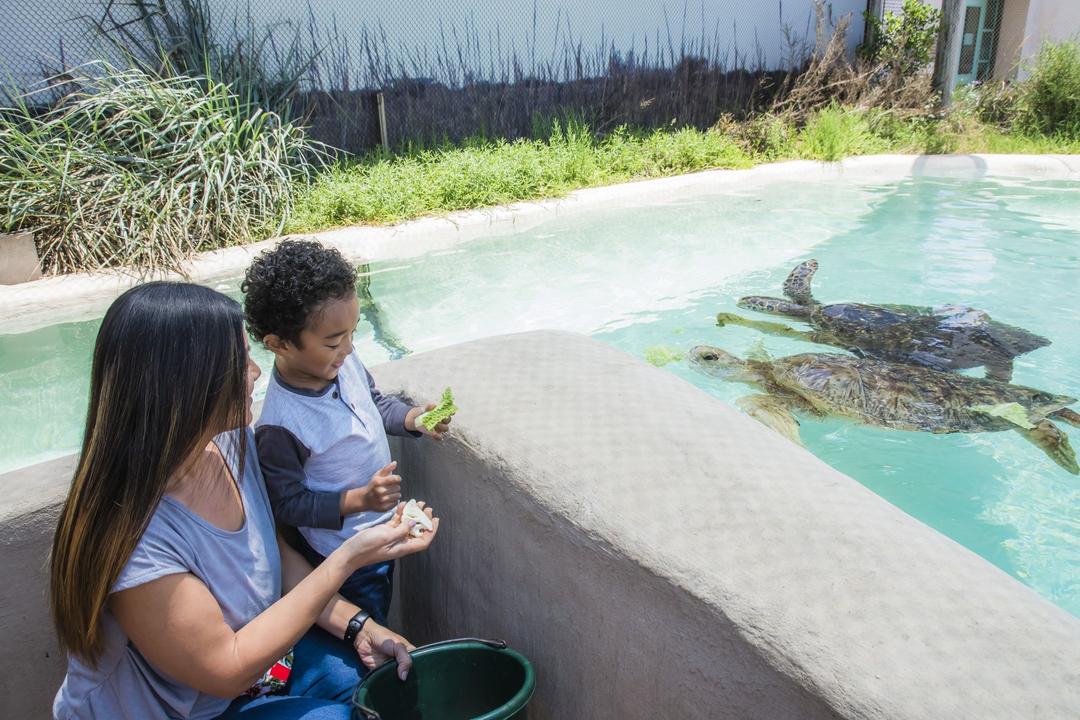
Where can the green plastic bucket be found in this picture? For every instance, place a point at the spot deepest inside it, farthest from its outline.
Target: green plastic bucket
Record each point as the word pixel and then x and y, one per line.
pixel 466 679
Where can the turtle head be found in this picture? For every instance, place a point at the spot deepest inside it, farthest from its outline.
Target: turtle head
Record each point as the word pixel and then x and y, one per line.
pixel 721 364
pixel 774 306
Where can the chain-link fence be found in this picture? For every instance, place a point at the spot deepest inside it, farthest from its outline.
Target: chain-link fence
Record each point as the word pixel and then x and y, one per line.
pixel 361 74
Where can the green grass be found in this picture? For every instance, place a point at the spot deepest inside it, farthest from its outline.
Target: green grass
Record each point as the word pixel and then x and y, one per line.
pixel 482 174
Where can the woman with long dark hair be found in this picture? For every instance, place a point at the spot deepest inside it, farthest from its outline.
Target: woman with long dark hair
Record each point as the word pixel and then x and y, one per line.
pixel 170 589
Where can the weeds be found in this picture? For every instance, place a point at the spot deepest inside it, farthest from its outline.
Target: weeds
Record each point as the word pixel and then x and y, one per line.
pixel 836 132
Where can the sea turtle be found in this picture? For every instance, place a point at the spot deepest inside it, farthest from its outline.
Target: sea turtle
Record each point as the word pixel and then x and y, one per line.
pixel 891 395
pixel 948 337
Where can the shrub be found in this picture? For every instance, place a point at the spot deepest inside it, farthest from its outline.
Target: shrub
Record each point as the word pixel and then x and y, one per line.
pixel 902 42
pixel 991 103
pixel 888 78
pixel 1049 100
pixel 140 171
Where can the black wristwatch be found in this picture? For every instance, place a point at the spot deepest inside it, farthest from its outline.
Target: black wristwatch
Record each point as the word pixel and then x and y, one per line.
pixel 355 625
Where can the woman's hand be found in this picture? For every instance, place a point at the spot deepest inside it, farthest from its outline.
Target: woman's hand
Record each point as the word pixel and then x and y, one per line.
pixel 375 645
pixel 388 541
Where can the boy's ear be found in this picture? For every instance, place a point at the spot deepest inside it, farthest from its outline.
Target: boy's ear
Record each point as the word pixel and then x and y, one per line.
pixel 275 344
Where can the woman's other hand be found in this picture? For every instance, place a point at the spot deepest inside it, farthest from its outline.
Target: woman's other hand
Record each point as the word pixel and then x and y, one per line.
pixel 376 644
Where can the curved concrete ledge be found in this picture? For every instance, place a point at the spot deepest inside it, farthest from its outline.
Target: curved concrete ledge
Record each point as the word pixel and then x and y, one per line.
pixel 83 296
pixel 658 554
pixel 655 553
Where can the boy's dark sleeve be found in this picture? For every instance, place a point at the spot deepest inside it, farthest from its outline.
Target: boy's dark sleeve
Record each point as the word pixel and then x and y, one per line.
pixel 282 459
pixel 392 409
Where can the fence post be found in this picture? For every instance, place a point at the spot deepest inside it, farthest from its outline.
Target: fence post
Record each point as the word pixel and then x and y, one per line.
pixel 382 122
pixel 947 56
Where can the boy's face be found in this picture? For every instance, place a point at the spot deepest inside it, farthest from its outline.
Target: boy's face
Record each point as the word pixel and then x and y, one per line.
pixel 325 342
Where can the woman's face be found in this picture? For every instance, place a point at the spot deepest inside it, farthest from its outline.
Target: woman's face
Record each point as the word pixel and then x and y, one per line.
pixel 253 373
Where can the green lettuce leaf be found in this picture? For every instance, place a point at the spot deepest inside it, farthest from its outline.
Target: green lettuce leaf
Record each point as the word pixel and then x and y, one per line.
pixel 1013 412
pixel 661 356
pixel 440 412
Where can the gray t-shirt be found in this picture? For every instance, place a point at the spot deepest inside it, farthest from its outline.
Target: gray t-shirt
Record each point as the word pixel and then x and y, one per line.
pixel 242 569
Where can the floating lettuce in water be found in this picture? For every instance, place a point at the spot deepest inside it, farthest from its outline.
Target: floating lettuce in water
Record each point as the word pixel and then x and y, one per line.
pixel 413 512
pixel 1013 412
pixel 440 412
pixel 661 356
pixel 758 352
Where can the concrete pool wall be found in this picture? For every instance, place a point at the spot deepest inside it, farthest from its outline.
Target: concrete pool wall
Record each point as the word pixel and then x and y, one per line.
pixel 655 553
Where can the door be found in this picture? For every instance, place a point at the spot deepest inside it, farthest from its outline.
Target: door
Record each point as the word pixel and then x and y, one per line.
pixel 974 10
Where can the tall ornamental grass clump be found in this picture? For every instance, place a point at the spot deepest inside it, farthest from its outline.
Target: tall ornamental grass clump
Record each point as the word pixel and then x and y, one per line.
pixel 1049 99
pixel 140 171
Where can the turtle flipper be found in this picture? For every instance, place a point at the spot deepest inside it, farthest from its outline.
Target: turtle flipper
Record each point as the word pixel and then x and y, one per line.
pixel 370 310
pixel 769 328
pixel 1000 370
pixel 773 413
pixel 1065 414
pixel 1054 443
pixel 797 285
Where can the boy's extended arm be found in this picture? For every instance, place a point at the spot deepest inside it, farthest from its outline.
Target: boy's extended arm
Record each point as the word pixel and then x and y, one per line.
pixel 282 459
pixel 392 410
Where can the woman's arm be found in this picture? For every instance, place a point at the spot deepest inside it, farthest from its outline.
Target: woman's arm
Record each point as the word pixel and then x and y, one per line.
pixel 375 644
pixel 177 625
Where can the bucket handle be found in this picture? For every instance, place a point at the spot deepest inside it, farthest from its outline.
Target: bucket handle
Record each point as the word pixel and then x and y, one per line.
pixel 494 644
pixel 369 714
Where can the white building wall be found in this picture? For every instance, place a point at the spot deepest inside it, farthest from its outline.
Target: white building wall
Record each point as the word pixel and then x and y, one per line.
pixel 1050 20
pixel 746 32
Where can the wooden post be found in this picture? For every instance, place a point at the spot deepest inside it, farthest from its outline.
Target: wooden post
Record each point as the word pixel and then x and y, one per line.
pixel 382 123
pixel 875 9
pixel 947 56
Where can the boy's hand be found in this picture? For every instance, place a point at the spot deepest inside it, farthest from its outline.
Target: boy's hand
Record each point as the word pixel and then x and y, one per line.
pixel 437 433
pixel 382 493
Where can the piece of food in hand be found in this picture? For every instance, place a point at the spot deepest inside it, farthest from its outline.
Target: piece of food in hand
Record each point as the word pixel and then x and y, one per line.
pixel 413 512
pixel 439 413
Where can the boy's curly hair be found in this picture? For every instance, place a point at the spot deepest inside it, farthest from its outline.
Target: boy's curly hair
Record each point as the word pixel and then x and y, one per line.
pixel 283 286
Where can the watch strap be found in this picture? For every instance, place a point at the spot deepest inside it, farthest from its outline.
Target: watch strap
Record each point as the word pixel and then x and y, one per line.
pixel 356 624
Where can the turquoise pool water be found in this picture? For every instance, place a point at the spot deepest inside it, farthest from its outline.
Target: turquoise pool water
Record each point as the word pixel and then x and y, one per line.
pixel 656 275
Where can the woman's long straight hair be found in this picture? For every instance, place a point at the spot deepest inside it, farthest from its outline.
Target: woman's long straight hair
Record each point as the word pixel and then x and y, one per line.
pixel 169 373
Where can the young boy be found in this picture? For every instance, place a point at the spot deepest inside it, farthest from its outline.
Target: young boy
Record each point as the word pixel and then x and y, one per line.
pixel 321 435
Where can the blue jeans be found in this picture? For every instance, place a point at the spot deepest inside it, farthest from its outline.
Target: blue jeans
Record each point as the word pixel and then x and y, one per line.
pixel 324 674
pixel 370 587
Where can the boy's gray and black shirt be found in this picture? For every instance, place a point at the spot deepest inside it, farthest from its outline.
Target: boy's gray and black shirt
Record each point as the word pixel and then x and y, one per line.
pixel 315 444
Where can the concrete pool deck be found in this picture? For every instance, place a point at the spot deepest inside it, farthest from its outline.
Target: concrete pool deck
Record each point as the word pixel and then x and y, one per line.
pixel 83 296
